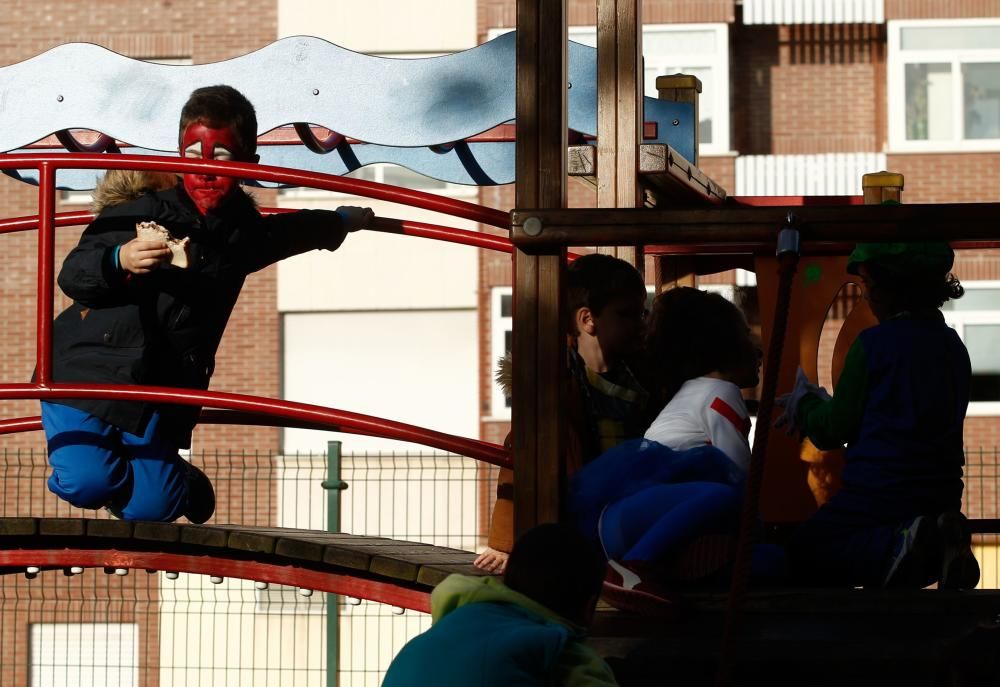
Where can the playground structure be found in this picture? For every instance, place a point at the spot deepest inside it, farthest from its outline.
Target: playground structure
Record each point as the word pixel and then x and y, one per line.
pixel 541 230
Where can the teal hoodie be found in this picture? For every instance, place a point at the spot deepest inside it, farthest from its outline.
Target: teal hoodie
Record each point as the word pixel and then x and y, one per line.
pixel 486 634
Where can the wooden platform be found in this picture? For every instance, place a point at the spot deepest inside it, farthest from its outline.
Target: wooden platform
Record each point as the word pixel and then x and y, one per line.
pixel 804 637
pixel 307 558
pixel 666 176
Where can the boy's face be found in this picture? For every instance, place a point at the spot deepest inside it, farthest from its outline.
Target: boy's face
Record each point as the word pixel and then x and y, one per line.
pixel 620 326
pixel 872 294
pixel 204 142
pixel 747 374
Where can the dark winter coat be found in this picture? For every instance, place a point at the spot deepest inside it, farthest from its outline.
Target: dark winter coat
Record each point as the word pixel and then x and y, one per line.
pixel 164 328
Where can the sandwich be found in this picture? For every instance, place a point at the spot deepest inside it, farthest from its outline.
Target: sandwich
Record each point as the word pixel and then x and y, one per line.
pixel 151 231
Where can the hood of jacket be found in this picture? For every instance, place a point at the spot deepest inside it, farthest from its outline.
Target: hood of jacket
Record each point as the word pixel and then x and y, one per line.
pixel 461 590
pixel 120 186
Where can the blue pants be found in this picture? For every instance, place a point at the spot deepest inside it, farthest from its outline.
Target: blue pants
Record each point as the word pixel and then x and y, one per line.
pixel 659 520
pixel 95 464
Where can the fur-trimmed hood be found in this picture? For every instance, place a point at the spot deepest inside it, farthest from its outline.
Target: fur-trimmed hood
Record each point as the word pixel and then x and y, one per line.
pixel 121 186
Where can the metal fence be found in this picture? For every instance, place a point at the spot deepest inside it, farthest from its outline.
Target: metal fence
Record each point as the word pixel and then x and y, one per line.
pixel 145 629
pixel 150 631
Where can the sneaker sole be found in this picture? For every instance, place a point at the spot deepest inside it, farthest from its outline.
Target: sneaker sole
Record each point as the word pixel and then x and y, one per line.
pixel 638 602
pixel 910 571
pixel 959 567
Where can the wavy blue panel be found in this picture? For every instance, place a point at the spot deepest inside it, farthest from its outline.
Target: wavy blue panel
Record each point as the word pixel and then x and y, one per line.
pixel 475 164
pixel 396 103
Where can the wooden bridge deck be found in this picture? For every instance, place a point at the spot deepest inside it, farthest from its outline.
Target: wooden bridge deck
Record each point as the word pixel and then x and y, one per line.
pixel 376 568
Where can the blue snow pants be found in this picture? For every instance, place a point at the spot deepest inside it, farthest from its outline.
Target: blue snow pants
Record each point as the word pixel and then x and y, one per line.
pixel 95 464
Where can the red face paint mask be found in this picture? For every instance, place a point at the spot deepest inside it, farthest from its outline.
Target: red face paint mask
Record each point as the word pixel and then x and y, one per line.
pixel 203 142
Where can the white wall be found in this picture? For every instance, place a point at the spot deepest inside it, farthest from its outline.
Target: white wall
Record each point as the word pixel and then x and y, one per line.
pixel 375 271
pixel 417 367
pixel 383 26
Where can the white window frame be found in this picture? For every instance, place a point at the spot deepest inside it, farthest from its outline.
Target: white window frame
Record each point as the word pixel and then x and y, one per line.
pixel 896 82
pixel 499 326
pixel 718 63
pixel 959 319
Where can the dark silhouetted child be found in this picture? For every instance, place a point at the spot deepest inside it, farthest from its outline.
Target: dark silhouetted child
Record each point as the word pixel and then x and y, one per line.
pixel 526 630
pixel 899 406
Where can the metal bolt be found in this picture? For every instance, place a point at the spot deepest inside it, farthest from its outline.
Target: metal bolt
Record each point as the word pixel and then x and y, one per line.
pixel 315 91
pixel 533 226
pixel 569 84
pixel 676 122
pixel 59 98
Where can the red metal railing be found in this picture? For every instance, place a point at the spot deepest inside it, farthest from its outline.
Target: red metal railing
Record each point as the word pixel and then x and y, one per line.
pixel 386 225
pixel 255 409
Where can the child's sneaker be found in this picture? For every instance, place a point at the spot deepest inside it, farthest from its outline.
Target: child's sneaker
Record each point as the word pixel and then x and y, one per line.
pixel 915 563
pixel 959 567
pixel 200 495
pixel 625 590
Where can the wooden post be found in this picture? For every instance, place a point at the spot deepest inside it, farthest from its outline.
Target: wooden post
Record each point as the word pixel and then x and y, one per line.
pixel 619 111
pixel 682 88
pixel 539 345
pixel 671 271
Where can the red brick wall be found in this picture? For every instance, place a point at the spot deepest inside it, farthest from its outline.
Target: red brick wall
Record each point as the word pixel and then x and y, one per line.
pixel 807 89
pixel 938 9
pixel 492 14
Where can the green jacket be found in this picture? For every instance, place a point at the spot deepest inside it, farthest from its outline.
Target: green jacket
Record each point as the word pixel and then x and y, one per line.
pixel 486 634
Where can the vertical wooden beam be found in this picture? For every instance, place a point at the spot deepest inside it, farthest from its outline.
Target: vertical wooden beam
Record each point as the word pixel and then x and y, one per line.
pixel 539 346
pixel 619 111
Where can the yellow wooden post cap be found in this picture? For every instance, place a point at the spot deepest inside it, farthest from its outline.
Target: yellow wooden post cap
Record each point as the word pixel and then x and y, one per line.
pixel 882 179
pixel 678 81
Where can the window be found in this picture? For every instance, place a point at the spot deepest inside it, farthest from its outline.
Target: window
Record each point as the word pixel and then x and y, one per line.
pixel 501 335
pixel 944 85
pixel 976 318
pixel 84 654
pixel 701 50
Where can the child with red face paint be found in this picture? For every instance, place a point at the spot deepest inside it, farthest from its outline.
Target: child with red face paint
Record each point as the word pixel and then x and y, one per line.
pixel 137 319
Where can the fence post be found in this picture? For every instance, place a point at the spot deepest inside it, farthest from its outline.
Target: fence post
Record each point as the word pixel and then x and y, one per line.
pixel 333 485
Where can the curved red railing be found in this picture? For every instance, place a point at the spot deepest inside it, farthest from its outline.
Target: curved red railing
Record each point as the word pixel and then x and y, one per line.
pixel 279 175
pixel 305 414
pixel 386 225
pixel 386 592
pixel 253 409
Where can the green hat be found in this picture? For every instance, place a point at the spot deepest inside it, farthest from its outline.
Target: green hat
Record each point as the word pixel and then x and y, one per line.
pixel 927 256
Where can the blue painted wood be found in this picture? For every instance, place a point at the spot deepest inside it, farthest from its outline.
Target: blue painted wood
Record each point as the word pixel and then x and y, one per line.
pixel 401 106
